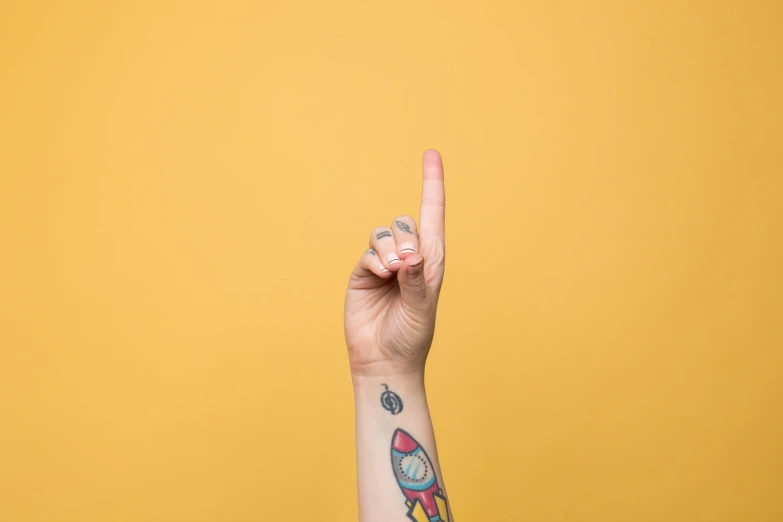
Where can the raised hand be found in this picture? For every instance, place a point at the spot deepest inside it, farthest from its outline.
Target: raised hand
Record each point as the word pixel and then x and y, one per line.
pixel 393 291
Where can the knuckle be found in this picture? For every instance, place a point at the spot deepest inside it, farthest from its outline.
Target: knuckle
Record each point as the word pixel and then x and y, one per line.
pixel 434 202
pixel 436 253
pixel 405 224
pixel 380 233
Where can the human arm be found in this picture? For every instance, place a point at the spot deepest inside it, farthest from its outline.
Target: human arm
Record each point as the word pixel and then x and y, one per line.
pixel 390 310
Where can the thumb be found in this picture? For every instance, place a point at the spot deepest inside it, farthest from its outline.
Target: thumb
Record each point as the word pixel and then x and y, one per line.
pixel 412 285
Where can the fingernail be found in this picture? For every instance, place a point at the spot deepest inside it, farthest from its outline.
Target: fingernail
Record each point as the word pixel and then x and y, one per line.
pixel 417 263
pixel 383 268
pixel 407 248
pixel 392 258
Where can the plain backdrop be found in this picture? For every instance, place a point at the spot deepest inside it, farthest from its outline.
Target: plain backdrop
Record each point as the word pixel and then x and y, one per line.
pixel 185 187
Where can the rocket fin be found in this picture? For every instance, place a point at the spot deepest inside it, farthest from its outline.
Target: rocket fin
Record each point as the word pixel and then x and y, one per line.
pixel 443 508
pixel 416 512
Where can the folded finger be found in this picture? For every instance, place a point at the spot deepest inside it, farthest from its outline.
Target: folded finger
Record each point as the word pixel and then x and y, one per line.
pixel 370 265
pixel 382 240
pixel 406 236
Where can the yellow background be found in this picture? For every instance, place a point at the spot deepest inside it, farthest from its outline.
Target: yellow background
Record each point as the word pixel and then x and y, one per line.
pixel 186 186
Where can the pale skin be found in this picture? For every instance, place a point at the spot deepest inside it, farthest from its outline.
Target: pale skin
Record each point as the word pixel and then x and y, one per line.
pixel 390 308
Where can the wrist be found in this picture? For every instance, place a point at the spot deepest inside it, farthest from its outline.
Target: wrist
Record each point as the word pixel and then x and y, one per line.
pixel 414 379
pixel 369 389
pixel 374 370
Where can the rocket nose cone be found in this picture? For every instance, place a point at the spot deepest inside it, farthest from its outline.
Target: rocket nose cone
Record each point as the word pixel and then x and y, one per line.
pixel 403 442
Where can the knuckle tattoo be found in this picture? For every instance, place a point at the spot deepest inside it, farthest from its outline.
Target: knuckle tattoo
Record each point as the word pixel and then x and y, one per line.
pixel 404 227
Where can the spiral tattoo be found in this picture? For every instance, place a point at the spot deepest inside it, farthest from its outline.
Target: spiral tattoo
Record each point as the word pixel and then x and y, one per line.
pixel 391 401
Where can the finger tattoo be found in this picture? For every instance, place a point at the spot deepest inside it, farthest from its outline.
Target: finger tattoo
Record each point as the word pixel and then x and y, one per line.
pixel 403 226
pixel 371 251
pixel 383 235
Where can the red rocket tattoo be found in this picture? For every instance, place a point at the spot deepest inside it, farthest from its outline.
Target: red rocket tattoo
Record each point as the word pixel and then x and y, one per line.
pixel 416 477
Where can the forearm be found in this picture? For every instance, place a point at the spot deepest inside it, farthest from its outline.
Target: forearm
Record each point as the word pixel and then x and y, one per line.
pixel 397 461
pixel 390 308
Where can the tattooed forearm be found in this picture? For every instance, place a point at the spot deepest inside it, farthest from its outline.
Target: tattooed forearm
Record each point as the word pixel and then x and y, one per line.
pixel 414 471
pixel 403 226
pixel 416 476
pixel 383 234
pixel 391 401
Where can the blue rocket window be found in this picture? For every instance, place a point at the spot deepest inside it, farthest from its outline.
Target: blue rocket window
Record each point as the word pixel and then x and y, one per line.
pixel 415 468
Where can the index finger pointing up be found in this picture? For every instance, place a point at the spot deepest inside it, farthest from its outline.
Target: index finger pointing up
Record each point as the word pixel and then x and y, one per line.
pixel 433 197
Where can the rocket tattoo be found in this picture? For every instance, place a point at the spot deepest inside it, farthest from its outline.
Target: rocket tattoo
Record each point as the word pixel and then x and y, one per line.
pixel 416 477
